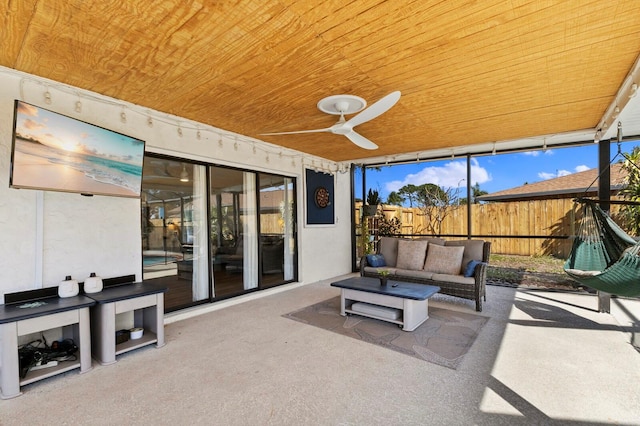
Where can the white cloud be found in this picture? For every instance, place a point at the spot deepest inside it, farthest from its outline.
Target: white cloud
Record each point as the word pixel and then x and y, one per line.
pixel 537 152
pixel 546 176
pixel 449 175
pixel 559 173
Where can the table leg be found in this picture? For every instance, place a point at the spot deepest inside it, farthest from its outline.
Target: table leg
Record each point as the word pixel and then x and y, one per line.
pixel 414 313
pixel 10 367
pixel 84 340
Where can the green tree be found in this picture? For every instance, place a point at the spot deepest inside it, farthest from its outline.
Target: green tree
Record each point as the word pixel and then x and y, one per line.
pixel 435 204
pixel 395 199
pixel 475 193
pixel 630 214
pixel 432 195
pixel 409 193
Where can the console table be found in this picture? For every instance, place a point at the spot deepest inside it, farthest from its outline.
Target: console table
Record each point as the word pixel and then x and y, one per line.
pixel 147 303
pixel 402 303
pixel 33 316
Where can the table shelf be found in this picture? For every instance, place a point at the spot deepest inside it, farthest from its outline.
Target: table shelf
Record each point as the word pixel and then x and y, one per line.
pixel 62 367
pixel 362 314
pixel 147 338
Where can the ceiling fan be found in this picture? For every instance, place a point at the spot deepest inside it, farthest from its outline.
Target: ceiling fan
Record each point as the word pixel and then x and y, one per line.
pixel 349 104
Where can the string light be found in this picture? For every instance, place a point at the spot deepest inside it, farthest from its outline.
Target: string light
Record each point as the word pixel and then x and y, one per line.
pixel 150 116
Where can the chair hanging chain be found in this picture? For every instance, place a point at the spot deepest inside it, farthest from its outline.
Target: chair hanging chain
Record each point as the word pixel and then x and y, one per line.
pixel 613 159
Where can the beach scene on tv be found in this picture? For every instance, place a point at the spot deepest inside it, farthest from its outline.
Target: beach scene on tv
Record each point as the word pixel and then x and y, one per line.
pixel 55 152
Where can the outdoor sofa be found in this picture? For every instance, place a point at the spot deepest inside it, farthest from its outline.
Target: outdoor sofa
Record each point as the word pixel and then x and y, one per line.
pixel 458 267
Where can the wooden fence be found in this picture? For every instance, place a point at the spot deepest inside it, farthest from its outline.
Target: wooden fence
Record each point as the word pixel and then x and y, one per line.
pixel 531 228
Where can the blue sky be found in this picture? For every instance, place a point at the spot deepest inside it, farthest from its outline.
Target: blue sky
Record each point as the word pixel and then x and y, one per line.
pixel 493 172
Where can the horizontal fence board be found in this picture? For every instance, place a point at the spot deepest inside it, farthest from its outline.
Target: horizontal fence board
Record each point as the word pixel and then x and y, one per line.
pixel 528 228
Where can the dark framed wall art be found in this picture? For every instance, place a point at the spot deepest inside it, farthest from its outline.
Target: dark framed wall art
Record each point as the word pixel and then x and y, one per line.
pixel 320 198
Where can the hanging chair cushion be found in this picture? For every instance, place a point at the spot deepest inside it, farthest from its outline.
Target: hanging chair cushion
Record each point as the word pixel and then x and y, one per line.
pixel 581 273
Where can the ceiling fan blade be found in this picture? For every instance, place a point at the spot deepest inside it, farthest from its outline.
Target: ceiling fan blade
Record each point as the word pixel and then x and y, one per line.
pixel 328 129
pixel 360 140
pixel 376 109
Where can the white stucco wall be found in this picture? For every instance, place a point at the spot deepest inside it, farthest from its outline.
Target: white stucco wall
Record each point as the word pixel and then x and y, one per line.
pixel 48 235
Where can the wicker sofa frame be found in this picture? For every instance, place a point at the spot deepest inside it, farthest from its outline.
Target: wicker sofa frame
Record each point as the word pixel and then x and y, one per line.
pixel 476 292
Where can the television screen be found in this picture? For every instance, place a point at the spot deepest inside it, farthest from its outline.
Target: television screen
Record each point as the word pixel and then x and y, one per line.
pixel 54 152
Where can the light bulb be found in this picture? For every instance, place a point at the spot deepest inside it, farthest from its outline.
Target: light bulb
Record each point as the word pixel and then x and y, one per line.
pixel 184 176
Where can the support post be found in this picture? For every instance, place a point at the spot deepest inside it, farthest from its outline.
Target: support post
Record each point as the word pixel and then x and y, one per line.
pixel 604 193
pixel 469 233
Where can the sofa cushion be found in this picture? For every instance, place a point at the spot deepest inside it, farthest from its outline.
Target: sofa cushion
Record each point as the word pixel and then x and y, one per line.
pixel 411 254
pixel 470 269
pixel 473 250
pixel 443 259
pixel 388 247
pixel 410 273
pixel 376 260
pixel 457 279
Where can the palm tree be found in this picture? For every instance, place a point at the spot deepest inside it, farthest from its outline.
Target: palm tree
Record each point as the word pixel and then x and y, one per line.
pixel 631 213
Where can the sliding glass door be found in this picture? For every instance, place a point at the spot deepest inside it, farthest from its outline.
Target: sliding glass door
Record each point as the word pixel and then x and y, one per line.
pixel 277 236
pixel 174 236
pixel 212 232
pixel 233 224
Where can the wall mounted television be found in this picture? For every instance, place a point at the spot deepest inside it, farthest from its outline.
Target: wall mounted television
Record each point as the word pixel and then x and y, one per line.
pixel 53 152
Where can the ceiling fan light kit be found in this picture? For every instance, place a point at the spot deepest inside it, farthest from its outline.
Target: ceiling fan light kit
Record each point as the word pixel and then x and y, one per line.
pixel 342 104
pixel 349 104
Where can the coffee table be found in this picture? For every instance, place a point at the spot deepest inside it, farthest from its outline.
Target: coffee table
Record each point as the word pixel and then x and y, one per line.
pixel 402 303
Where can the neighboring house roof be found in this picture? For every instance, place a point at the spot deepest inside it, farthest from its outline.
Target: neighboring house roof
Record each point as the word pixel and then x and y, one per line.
pixel 573 185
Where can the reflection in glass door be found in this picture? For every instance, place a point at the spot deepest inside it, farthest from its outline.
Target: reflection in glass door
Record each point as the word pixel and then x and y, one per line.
pixel 277 237
pixel 233 225
pixel 174 236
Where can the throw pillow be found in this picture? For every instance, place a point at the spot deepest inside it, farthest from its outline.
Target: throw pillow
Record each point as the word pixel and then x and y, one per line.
pixel 411 254
pixel 471 268
pixel 388 247
pixel 376 260
pixel 444 259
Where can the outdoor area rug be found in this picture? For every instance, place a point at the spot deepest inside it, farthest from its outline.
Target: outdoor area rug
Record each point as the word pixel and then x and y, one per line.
pixel 443 339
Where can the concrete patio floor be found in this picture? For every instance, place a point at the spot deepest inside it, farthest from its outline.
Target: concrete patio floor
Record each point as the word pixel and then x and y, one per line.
pixel 544 357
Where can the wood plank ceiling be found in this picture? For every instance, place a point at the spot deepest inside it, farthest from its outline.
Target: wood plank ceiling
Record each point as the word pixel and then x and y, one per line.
pixel 470 72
